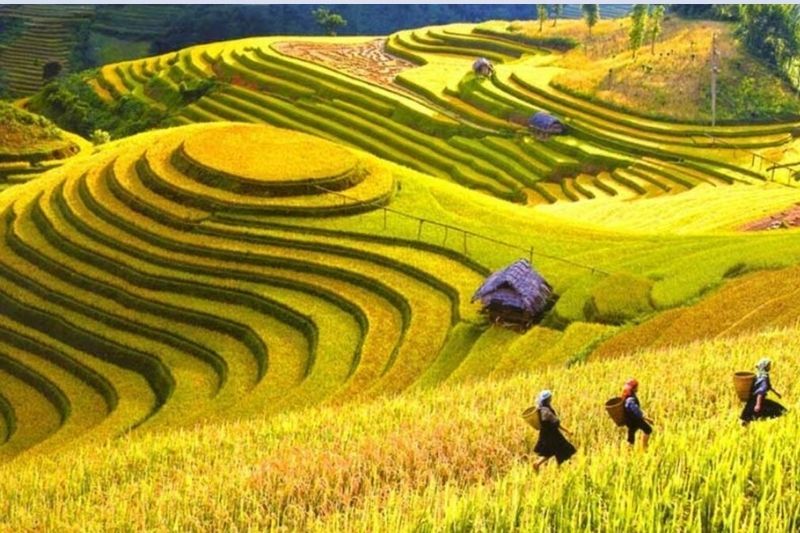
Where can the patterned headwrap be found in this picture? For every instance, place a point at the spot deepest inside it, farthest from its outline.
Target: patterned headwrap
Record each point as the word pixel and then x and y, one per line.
pixel 629 388
pixel 543 398
pixel 763 366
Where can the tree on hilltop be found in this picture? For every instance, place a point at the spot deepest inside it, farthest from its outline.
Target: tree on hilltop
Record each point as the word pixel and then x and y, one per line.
pixel 636 33
pixel 541 12
pixel 591 14
pixel 655 19
pixel 729 12
pixel 329 20
pixel 558 9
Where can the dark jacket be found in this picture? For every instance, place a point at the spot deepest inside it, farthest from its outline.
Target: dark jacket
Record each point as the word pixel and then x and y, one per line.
pixel 551 441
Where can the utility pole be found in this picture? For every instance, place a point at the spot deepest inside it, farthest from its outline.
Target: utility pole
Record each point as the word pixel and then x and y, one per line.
pixel 714 72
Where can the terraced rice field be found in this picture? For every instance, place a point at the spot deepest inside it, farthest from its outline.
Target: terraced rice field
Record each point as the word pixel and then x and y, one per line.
pixel 47 36
pixel 119 264
pixel 429 113
pixel 755 302
pixel 267 307
pixel 233 270
pixel 450 458
pixel 135 22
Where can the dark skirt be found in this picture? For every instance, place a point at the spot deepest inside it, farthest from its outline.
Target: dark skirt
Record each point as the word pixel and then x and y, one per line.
pixel 769 409
pixel 553 443
pixel 634 424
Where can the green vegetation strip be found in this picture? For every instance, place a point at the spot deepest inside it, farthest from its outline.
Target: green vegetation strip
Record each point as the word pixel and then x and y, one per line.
pixel 555 42
pixel 476 41
pixel 410 40
pixel 51 391
pixel 84 373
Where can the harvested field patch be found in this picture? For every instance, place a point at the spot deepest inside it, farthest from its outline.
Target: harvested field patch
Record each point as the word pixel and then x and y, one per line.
pixel 789 218
pixel 368 61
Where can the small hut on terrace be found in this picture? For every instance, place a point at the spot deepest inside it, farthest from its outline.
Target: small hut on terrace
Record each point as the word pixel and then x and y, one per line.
pixel 515 296
pixel 544 125
pixel 483 67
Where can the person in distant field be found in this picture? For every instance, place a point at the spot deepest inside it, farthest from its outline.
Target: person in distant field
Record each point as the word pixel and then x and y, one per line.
pixel 634 416
pixel 551 442
pixel 758 406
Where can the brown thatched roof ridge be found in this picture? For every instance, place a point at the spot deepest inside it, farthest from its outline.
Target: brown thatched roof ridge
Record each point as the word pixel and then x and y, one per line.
pixel 543 120
pixel 518 285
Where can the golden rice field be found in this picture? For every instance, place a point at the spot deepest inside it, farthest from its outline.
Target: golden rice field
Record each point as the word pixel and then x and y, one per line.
pixel 450 458
pixel 260 317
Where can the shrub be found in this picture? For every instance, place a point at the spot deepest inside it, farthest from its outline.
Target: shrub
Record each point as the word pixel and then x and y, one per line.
pixel 74 106
pixel 99 136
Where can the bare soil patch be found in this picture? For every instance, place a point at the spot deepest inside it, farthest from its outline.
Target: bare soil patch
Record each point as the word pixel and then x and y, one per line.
pixel 789 218
pixel 368 61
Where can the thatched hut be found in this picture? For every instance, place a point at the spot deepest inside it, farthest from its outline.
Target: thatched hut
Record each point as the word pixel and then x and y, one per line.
pixel 483 67
pixel 515 296
pixel 544 124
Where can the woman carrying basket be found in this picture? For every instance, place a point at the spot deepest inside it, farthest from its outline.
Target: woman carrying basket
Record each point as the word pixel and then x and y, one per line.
pixel 758 406
pixel 551 442
pixel 634 417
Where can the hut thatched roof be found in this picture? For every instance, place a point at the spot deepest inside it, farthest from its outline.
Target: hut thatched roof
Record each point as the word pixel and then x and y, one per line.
pixel 518 286
pixel 543 121
pixel 481 62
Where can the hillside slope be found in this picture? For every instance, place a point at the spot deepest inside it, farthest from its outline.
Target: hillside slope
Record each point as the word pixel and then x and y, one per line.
pixel 31 145
pixel 668 79
pixel 430 113
pixel 43 47
pixel 455 457
pixel 220 271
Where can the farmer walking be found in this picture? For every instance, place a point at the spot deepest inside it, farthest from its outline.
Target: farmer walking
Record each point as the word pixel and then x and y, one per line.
pixel 635 419
pixel 758 406
pixel 551 442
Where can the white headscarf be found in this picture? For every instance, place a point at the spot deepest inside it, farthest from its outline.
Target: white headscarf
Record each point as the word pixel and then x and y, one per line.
pixel 543 398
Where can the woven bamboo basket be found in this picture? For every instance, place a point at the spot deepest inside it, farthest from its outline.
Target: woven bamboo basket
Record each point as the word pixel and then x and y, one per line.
pixel 615 408
pixel 531 416
pixel 743 382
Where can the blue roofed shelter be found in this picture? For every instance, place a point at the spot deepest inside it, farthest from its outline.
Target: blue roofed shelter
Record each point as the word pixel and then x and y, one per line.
pixel 515 296
pixel 545 124
pixel 483 67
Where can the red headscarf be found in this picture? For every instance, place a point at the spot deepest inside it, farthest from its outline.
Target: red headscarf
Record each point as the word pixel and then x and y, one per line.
pixel 629 388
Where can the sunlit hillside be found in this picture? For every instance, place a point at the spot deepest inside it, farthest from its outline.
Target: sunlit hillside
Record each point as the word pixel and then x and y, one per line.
pixel 212 272
pixel 668 77
pixel 451 458
pixel 251 305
